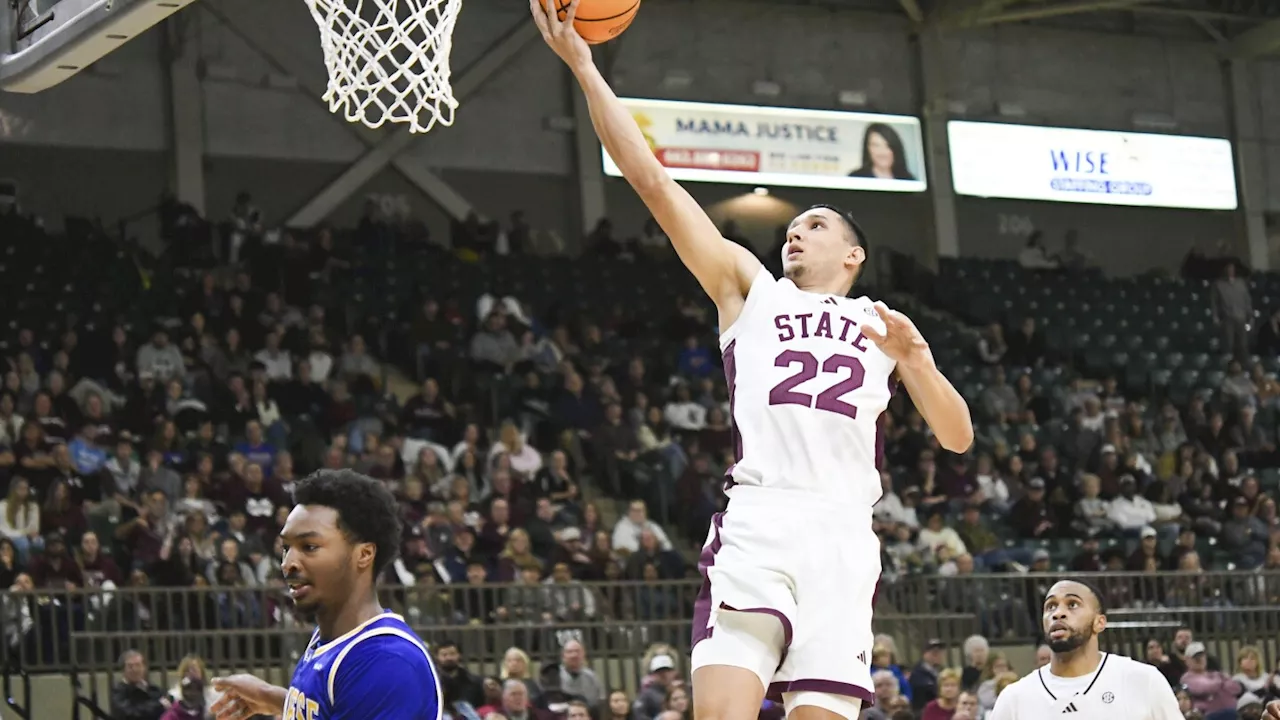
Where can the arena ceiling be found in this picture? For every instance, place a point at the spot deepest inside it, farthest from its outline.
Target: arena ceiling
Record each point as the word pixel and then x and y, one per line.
pixel 1243 28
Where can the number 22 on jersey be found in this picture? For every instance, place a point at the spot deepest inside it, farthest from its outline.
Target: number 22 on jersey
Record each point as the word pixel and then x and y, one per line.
pixel 849 375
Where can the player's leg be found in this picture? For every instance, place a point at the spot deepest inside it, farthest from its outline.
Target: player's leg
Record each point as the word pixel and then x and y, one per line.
pixel 733 667
pixel 810 705
pixel 826 674
pixel 744 615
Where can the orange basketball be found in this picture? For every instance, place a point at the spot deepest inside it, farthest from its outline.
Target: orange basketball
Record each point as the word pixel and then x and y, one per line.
pixel 600 21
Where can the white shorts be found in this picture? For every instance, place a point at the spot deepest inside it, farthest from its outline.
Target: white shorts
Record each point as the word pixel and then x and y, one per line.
pixel 814 568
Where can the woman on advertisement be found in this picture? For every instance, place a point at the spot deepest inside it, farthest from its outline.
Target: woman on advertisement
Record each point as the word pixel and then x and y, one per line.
pixel 883 155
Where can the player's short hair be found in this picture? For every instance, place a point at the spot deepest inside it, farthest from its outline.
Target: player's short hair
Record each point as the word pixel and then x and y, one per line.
pixel 1097 594
pixel 859 235
pixel 367 511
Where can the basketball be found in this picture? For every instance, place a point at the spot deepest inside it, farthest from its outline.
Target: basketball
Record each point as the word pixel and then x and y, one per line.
pixel 600 21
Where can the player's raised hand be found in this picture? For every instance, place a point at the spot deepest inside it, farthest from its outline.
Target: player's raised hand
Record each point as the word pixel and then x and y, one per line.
pixel 244 696
pixel 561 35
pixel 1273 710
pixel 901 340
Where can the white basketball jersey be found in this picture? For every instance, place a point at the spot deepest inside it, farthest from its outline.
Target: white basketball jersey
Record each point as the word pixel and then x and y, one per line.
pixel 806 389
pixel 1120 689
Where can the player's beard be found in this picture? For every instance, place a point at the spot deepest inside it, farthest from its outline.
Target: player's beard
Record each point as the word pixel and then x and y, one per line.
pixel 1073 641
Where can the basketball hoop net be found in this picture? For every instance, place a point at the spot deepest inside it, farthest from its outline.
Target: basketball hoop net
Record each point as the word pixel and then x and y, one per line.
pixel 388 60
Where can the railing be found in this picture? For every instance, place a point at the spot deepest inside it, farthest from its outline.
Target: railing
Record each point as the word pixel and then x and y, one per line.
pixel 21 709
pixel 86 631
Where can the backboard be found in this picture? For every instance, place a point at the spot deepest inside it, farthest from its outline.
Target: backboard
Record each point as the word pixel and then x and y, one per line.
pixel 43 42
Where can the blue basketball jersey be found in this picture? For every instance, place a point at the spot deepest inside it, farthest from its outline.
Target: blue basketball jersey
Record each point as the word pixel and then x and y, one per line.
pixel 379 671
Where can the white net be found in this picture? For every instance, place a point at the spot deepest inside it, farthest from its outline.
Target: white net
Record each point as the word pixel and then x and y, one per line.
pixel 388 60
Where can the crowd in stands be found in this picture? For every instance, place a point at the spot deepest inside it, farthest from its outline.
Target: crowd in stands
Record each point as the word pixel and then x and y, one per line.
pixel 155 443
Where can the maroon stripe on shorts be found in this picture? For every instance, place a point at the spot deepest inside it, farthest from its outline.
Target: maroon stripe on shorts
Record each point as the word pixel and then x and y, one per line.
pixel 702 605
pixel 823 686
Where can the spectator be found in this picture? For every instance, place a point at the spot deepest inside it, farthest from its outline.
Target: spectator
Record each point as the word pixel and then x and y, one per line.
pixel 516 704
pixel 1210 690
pixel 191 703
pixel 97 569
pixel 996 666
pixel 576 678
pixel 494 348
pixel 1244 535
pixel 20 519
pixel 967 707
pixel 694 360
pixel 160 359
pixel 134 697
pixel 1093 514
pixel 277 363
pixel 626 534
pixel 1253 678
pixel 682 413
pixel 882 659
pixel 457 684
pixel 991 344
pixel 654 688
pixel 357 363
pixel 999 401
pixel 1131 512
pixel 943 707
pixel 935 538
pixel 886 691
pixel 1031 517
pixel 925 676
pixel 1232 310
pixel 976 651
pixel 55 569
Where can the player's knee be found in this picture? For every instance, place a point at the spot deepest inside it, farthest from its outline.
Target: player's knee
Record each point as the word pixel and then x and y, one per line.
pixel 725 692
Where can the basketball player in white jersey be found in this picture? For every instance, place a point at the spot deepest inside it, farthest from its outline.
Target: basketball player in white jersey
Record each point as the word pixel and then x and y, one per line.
pixel 791 567
pixel 1081 682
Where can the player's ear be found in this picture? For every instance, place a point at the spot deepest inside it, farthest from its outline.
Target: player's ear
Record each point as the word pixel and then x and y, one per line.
pixel 1099 624
pixel 857 255
pixel 365 553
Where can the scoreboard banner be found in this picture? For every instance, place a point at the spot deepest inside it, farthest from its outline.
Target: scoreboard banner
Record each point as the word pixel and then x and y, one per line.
pixel 1026 162
pixel 786 147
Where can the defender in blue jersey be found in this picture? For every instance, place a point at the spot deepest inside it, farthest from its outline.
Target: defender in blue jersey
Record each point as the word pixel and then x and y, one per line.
pixel 363 663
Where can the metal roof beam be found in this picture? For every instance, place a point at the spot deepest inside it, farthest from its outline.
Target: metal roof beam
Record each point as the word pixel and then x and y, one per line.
pixel 1261 40
pixel 1069 8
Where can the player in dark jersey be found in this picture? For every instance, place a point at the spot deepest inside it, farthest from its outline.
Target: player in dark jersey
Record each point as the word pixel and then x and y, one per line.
pixel 362 662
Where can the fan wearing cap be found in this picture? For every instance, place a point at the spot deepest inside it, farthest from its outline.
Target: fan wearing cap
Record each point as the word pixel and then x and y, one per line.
pixel 650 700
pixel 1080 680
pixel 1245 535
pixel 1210 690
pixel 1131 512
pixel 1031 516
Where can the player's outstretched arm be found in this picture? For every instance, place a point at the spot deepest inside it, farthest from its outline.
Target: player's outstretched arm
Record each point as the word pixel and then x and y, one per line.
pixel 724 269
